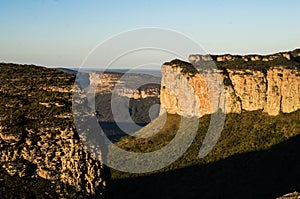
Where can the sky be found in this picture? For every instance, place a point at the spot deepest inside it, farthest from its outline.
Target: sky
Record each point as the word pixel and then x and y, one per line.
pixel 61 33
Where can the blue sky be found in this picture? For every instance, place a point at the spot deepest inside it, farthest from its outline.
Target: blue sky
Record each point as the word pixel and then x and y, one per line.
pixel 62 32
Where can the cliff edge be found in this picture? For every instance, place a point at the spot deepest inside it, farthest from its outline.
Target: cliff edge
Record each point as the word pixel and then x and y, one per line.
pixel 41 155
pixel 269 83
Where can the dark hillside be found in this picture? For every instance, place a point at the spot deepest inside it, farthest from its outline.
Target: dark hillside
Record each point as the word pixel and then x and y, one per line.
pixel 257 156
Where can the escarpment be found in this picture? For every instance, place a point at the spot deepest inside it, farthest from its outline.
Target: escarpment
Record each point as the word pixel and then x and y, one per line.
pixel 267 83
pixel 140 89
pixel 41 155
pixel 131 85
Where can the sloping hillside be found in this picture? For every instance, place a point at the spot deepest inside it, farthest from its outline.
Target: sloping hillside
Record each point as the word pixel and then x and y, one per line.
pixel 257 156
pixel 41 155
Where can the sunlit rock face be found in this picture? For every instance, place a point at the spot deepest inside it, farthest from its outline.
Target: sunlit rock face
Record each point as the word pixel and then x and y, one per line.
pixel 131 85
pixel 250 87
pixel 283 91
pixel 194 91
pixel 191 94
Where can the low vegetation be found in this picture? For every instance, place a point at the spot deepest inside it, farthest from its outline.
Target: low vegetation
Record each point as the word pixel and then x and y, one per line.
pixel 138 108
pixel 257 156
pixel 239 63
pixel 259 65
pixel 34 98
pixel 31 96
pixel 247 136
pixel 187 68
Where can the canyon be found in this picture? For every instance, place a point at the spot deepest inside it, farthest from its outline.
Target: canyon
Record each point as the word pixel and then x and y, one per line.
pixel 38 140
pixel 245 83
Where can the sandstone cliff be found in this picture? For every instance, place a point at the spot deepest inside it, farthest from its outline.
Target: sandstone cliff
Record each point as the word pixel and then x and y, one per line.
pixel 131 85
pixel 187 90
pixel 140 89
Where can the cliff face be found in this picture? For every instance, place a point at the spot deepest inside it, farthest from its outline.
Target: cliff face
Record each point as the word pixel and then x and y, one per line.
pixel 140 90
pixel 125 84
pixel 185 94
pixel 41 154
pixel 273 90
pixel 54 155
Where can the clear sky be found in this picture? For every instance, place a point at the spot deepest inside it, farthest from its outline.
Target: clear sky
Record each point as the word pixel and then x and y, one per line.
pixel 62 32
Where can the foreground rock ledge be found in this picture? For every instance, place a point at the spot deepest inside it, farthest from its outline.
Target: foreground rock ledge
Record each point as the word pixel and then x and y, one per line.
pixel 55 155
pixel 294 195
pixel 41 155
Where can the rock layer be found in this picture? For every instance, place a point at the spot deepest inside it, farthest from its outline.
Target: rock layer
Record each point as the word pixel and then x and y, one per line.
pixel 39 146
pixel 131 85
pixel 195 93
pixel 55 155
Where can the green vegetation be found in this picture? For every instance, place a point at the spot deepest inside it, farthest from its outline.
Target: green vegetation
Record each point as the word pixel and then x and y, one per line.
pixel 295 52
pixel 239 63
pixel 257 156
pixel 249 131
pixel 259 65
pixel 138 108
pixel 155 142
pixel 24 89
pixel 187 68
pixel 247 136
pixel 30 99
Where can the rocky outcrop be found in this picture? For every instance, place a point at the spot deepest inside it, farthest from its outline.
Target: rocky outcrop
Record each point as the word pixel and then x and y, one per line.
pixel 294 195
pixel 56 155
pixel 186 89
pixel 140 90
pixel 39 146
pixel 131 85
pixel 289 56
